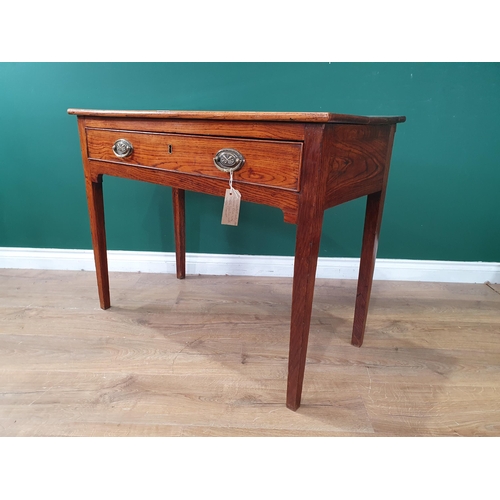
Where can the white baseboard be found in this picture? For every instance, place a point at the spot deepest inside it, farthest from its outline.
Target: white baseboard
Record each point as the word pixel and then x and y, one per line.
pixel 249 265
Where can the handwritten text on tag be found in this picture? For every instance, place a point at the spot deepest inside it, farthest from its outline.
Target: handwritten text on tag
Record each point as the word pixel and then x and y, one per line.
pixel 231 210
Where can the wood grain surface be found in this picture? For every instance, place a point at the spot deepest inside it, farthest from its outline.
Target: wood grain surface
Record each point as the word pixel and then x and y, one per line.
pixel 307 117
pixel 207 356
pixel 358 161
pixel 284 199
pixel 287 131
pixel 267 163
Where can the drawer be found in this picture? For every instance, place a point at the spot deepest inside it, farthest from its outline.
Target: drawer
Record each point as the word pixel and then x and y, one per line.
pixel 267 163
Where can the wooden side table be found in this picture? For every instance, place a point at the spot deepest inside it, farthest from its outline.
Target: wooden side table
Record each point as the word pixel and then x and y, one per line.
pixel 302 163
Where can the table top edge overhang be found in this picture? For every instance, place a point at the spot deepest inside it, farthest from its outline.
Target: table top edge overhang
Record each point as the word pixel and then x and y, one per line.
pixel 301 117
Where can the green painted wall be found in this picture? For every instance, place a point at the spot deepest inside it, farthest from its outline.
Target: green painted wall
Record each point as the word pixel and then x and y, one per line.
pixel 444 188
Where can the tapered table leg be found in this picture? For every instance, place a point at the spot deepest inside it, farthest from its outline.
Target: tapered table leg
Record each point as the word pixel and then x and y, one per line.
pixel 96 214
pixel 373 218
pixel 306 259
pixel 178 196
pixel 309 224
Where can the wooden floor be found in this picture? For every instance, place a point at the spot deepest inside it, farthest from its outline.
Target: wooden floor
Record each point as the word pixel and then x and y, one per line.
pixel 207 356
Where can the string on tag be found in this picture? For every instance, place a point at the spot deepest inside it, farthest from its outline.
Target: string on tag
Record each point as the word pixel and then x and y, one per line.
pixel 231 180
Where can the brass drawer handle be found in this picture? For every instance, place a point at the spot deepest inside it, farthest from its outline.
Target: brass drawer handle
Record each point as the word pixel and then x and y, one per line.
pixel 122 148
pixel 229 160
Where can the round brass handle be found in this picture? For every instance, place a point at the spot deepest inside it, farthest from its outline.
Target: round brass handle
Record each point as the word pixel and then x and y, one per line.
pixel 122 148
pixel 229 160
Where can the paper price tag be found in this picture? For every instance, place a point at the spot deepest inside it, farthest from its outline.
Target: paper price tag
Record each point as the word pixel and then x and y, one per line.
pixel 231 210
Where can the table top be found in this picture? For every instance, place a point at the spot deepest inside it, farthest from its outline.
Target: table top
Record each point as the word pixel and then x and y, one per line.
pixel 304 117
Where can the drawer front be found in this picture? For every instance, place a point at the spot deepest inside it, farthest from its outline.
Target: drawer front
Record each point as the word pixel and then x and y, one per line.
pixel 268 163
